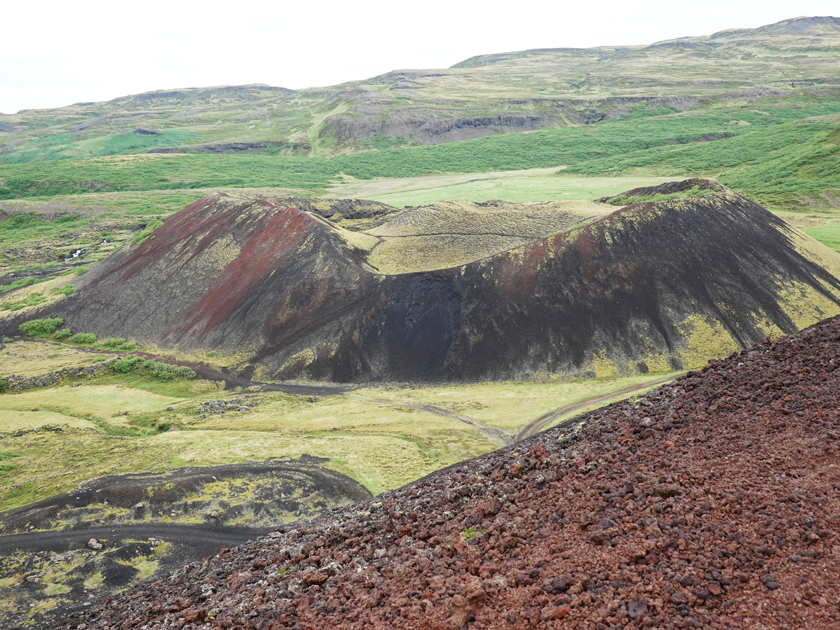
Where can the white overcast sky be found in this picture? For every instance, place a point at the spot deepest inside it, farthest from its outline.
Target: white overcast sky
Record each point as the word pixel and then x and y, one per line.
pixel 55 53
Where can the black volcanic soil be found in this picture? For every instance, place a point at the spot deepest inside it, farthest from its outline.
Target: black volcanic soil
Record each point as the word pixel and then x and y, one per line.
pixel 260 493
pixel 192 512
pixel 714 502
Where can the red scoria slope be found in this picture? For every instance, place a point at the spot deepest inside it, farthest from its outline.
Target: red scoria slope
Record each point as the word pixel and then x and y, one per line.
pixel 711 503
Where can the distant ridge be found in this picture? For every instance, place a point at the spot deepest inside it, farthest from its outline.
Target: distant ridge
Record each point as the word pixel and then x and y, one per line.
pixel 485 95
pixel 820 25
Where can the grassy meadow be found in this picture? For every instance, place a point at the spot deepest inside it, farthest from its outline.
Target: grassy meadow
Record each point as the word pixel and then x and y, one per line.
pixel 772 152
pixel 383 437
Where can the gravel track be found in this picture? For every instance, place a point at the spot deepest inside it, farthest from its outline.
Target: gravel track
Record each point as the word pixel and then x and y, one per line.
pixel 59 541
pixel 534 427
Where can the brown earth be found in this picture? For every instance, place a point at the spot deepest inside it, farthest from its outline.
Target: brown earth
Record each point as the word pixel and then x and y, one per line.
pixel 711 503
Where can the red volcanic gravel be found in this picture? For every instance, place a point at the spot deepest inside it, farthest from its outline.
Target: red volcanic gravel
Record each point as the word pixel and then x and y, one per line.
pixel 712 503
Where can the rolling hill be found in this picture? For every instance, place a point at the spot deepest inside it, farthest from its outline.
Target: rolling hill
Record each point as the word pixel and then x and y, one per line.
pixel 756 109
pixel 486 95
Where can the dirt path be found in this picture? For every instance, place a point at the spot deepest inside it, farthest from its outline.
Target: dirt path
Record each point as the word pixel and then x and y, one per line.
pixel 230 380
pixel 59 541
pixel 535 426
pixel 497 436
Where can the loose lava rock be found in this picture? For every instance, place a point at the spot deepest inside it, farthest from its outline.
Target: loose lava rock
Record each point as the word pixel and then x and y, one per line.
pixel 710 503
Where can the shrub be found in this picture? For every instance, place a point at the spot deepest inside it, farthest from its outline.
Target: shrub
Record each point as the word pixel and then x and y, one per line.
pixel 82 270
pixel 84 338
pixel 40 327
pixel 67 289
pixel 165 372
pixel 125 365
pixel 4 385
pixel 115 343
pixel 7 340
pixel 160 371
pixel 62 334
pixel 212 353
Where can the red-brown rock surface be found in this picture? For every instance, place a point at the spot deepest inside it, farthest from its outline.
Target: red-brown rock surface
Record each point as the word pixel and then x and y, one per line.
pixel 712 503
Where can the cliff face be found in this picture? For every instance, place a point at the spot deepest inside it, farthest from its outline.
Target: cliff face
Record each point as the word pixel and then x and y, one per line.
pixel 652 286
pixel 710 503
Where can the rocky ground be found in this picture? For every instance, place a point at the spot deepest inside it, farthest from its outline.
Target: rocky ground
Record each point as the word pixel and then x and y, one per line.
pixel 711 503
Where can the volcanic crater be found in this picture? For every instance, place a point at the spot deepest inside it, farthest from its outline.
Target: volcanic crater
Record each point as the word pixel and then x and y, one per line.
pixel 462 291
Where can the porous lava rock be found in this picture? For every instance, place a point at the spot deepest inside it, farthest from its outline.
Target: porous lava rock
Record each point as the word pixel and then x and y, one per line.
pixel 711 503
pixel 652 286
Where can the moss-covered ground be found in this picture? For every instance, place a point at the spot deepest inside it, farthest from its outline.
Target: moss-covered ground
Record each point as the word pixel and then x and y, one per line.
pixel 383 436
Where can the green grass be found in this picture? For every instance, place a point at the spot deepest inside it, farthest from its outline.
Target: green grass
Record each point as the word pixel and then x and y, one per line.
pixel 67 289
pixel 540 184
pixel 778 164
pixel 133 422
pixel 23 282
pixel 146 234
pixel 622 200
pixel 26 225
pixel 828 235
pixel 33 299
pixel 6 467
pixel 23 495
pixel 674 141
pixel 78 146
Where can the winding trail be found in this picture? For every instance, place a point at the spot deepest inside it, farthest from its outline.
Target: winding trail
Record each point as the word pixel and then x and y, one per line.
pixel 230 380
pixel 193 535
pixel 497 436
pixel 535 426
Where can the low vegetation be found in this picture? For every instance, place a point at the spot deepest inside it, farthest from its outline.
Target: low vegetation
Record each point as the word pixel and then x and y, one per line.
pixel 146 234
pixel 33 299
pixel 41 327
pixel 158 370
pixel 83 338
pixel 152 419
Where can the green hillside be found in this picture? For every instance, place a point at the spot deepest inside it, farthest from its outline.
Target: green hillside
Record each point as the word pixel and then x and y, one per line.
pixel 758 109
pixel 751 148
